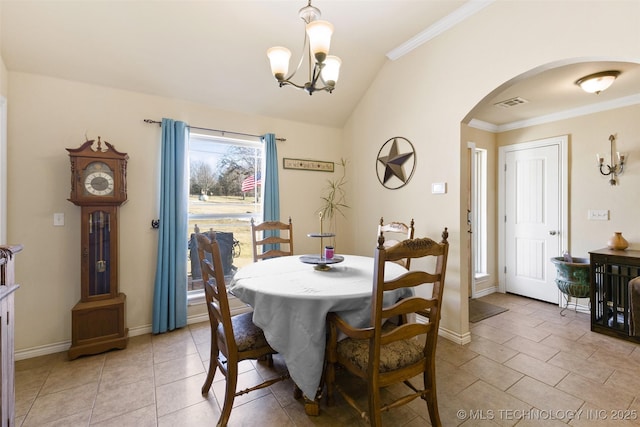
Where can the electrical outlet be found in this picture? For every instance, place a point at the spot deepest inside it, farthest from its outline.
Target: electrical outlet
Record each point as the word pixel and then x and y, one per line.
pixel 58 219
pixel 598 214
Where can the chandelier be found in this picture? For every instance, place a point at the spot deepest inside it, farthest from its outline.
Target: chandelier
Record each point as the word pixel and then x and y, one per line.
pixel 323 68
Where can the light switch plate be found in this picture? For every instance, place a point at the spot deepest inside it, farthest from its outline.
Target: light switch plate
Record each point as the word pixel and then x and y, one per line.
pixel 438 188
pixel 598 215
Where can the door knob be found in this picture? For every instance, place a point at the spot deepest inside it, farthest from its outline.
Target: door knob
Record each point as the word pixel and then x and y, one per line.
pixel 553 232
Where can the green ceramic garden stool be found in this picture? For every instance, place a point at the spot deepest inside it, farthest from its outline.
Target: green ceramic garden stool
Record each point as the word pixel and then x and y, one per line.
pixel 572 279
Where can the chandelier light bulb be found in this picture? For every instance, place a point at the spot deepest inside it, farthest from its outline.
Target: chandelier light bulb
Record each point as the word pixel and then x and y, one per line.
pixel 279 60
pixel 331 70
pixel 319 33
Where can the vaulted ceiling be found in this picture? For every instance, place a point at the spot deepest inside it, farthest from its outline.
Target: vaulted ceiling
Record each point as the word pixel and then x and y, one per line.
pixel 213 52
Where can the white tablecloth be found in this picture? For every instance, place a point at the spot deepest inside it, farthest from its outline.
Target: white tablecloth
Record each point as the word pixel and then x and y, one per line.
pixel 291 301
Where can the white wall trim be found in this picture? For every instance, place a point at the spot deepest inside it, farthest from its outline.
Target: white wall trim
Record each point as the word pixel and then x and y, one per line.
pixel 42 350
pixel 488 291
pixel 625 101
pixel 439 27
pixel 576 112
pixel 460 339
pixel 581 305
pixel 64 346
pixel 482 125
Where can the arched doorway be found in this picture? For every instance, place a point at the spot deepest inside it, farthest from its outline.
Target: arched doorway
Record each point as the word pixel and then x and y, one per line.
pixel 542 95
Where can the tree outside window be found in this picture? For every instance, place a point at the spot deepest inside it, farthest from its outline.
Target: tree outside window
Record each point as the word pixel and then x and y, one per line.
pixel 225 193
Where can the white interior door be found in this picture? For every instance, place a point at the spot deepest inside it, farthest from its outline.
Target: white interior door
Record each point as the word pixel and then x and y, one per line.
pixel 534 205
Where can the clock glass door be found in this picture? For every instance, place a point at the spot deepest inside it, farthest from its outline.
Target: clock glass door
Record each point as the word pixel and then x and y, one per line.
pixel 99 253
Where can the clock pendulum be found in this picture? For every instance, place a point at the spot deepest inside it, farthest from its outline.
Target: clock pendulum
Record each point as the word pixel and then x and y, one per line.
pixel 101 264
pixel 98 186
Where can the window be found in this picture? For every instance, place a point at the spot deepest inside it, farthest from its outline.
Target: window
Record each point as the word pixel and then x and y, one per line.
pixel 479 210
pixel 225 192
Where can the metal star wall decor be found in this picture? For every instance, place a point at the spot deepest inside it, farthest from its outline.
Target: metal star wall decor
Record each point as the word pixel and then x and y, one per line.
pixel 391 167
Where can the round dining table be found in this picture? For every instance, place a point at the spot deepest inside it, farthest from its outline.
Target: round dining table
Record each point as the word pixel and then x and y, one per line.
pixel 291 299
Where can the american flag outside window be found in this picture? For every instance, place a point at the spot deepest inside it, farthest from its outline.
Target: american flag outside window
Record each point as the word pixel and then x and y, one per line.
pixel 251 182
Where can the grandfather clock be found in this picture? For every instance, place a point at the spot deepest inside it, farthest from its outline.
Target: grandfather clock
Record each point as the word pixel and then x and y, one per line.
pixel 99 187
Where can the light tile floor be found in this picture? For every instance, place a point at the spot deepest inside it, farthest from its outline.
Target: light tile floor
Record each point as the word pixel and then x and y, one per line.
pixel 527 366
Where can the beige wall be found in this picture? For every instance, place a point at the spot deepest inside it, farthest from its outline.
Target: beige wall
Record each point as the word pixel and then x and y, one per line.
pixel 588 189
pixel 4 83
pixel 425 95
pixel 3 68
pixel 46 116
pixel 3 144
pixel 3 154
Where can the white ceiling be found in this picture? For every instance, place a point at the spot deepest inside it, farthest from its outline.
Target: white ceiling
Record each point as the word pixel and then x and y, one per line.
pixel 213 52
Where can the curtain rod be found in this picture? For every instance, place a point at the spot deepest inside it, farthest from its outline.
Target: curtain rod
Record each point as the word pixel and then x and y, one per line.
pixel 215 130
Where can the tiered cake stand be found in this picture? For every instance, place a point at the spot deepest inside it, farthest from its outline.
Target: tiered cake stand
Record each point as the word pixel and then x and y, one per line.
pixel 321 263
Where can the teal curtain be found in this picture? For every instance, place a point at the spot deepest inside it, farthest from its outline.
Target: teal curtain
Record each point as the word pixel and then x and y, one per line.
pixel 271 205
pixel 170 289
pixel 271 187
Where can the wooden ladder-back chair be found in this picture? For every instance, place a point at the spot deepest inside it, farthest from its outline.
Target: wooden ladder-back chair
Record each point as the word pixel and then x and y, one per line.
pixel 401 232
pixel 233 339
pixel 385 353
pixel 277 233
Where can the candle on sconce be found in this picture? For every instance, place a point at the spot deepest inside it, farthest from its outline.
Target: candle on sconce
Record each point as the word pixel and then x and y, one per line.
pixel 599 159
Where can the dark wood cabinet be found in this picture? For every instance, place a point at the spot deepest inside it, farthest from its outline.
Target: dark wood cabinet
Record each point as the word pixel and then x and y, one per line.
pixel 611 272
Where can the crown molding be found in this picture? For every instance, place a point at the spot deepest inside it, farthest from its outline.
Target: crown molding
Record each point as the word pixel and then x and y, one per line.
pixel 479 124
pixel 442 25
pixel 561 115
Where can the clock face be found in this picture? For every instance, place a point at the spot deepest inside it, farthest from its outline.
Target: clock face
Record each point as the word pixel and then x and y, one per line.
pixel 98 180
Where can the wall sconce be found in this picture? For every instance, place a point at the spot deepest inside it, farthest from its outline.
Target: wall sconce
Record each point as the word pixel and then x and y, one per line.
pixel 614 169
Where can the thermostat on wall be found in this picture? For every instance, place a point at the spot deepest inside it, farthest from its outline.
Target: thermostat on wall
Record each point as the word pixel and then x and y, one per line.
pixel 439 188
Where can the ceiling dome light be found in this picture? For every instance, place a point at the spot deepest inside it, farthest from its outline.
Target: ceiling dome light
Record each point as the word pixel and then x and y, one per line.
pixel 596 83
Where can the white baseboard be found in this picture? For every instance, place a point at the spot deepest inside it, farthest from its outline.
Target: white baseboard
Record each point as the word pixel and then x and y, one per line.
pixel 488 291
pixel 43 350
pixel 449 335
pixel 455 337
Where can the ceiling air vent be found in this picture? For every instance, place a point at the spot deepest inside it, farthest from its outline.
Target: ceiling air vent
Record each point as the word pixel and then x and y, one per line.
pixel 512 102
